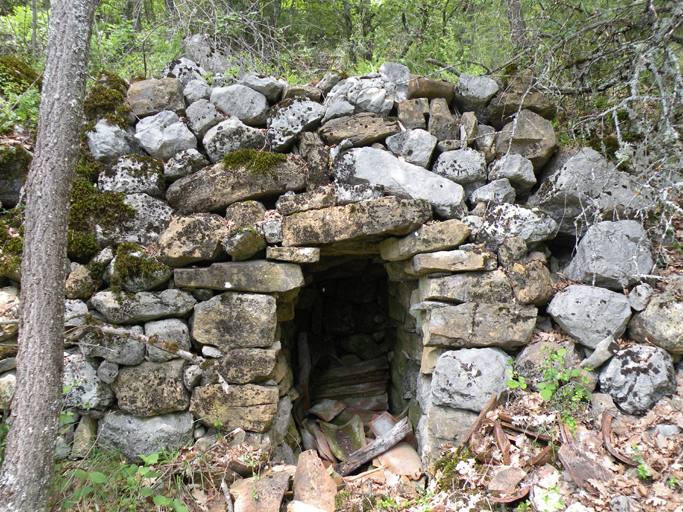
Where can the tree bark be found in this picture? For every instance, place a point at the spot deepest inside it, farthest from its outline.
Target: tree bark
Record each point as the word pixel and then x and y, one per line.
pixel 28 470
pixel 517 24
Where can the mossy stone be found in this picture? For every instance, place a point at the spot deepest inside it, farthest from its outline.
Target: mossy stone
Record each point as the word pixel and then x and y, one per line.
pixel 11 242
pixel 131 262
pixel 258 162
pixel 17 76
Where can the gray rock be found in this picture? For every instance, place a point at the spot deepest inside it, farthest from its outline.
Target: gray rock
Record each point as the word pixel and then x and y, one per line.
pixel 510 220
pixel 519 94
pixel 467 378
pixel 302 92
pixel 142 306
pixel 184 70
pixel 414 146
pixel 107 142
pixel 183 164
pixel 272 231
pixel 517 169
pixel 8 383
pixel 485 137
pixel 590 314
pixel 269 86
pixel 143 436
pixel 150 220
pixel 442 124
pixel 602 353
pixel 439 426
pixel 201 116
pixel 620 504
pixel 88 391
pixel 588 189
pixel 173 331
pixel 231 135
pixel 347 193
pixel 468 129
pixel 329 80
pixel 637 377
pixel 377 167
pixel 115 349
pixel 196 90
pixel 400 75
pixel 191 239
pixel 131 174
pixel 192 376
pixel 473 93
pixel 466 167
pixel 151 389
pixel 245 213
pixel 213 352
pixel 243 243
pixel 496 192
pixel 337 110
pixel 74 307
pixel 149 97
pixel 612 254
pixel 250 276
pixel 639 296
pixel 369 93
pixel 164 135
pixel 207 51
pixel 107 371
pixel 491 287
pixel 242 102
pixel 289 119
pixel 321 197
pixel 660 323
pixel 533 138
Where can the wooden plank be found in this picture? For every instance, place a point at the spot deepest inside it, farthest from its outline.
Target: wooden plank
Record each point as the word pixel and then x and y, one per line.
pixel 372 365
pixel 355 390
pixel 378 446
pixel 351 379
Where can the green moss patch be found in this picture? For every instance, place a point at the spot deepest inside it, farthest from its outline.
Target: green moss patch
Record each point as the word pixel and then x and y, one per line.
pixel 102 101
pixel 112 81
pixel 87 167
pixel 17 76
pixel 132 262
pixel 258 162
pixel 11 241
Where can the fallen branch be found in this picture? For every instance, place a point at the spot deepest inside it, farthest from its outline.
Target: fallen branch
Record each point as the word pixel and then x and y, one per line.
pixel 606 424
pixel 477 423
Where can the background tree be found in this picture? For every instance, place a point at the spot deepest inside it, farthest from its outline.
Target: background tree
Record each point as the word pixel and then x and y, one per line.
pixel 28 469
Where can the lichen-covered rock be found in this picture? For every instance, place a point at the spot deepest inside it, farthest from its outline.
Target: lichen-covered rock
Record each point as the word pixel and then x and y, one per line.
pixel 289 118
pixel 376 167
pixel 245 213
pixel 107 142
pixel 243 243
pixel 243 175
pixel 518 95
pixel 294 254
pixel 235 320
pixel 269 86
pixel 612 254
pixel 466 167
pixel 434 237
pixel 587 189
pixel 533 138
pixel 87 390
pixel 242 102
pixel 248 276
pixel 135 436
pixel 660 323
pixel 244 365
pixel 14 162
pixel 164 134
pixel 369 93
pixel 414 146
pixel 531 362
pixel 79 285
pixel 131 174
pixel 413 113
pixel 475 324
pixel 356 226
pixel 150 218
pixel 149 97
pixel 473 93
pixel 517 169
pixel 467 378
pixel 74 311
pixel 115 349
pixel 196 90
pixel 531 281
pixel 321 197
pixel 468 287
pixel 442 426
pixel 191 239
pixel 495 192
pixel 250 407
pixel 302 92
pixel 451 261
pixel 202 116
pixel 9 310
pixel 400 75
pixel 510 220
pixel 590 314
pixel 637 377
pixel 184 70
pixel 359 130
pixel 183 164
pixel 173 332
pixel 442 124
pixel 142 306
pixel 151 389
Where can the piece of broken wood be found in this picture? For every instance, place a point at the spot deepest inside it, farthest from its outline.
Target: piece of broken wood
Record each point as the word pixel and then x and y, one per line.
pixel 502 441
pixel 606 427
pixel 477 423
pixel 379 445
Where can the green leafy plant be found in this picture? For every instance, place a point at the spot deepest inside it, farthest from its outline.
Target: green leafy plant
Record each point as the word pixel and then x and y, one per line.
pixel 643 470
pixel 516 381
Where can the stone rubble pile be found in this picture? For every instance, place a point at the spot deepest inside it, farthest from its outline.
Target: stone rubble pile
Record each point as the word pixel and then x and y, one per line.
pixel 382 216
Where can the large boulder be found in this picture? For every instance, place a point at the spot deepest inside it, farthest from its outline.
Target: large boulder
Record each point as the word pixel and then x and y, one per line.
pixel 107 142
pixel 243 175
pixel 587 189
pixel 132 174
pixel 466 167
pixel 242 102
pixel 142 306
pixel 637 377
pixel 377 167
pixel 369 93
pixel 144 227
pixel 511 220
pixel 151 389
pixel 164 135
pixel 590 314
pixel 289 118
pixel 148 97
pixel 115 349
pixel 530 136
pixel 615 255
pixel 473 93
pixel 231 135
pixel 256 276
pixel 660 323
pixel 85 389
pixel 191 239
pixel 135 436
pixel 467 378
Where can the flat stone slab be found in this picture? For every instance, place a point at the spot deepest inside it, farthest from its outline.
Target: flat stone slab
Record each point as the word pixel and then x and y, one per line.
pixel 312 484
pixel 214 188
pixel 249 407
pixel 235 320
pixel 364 223
pixel 244 365
pixel 322 197
pixel 434 237
pixel 471 287
pixel 361 130
pixel 294 254
pixel 257 276
pixel 142 306
pixel 260 494
pixel 477 324
pixel 451 261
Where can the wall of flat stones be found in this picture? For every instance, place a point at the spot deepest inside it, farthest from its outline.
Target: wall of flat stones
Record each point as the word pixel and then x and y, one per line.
pixel 424 178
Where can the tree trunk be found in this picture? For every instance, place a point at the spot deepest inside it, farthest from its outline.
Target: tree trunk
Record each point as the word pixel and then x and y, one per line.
pixel 28 471
pixel 517 24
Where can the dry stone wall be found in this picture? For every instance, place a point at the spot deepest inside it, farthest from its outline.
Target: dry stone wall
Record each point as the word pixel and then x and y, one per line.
pixel 257 188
